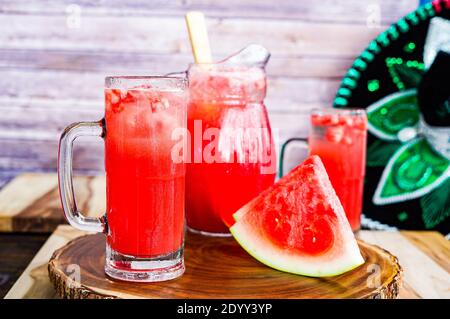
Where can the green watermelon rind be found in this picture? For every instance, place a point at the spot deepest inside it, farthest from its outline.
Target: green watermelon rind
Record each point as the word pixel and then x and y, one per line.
pixel 241 212
pixel 296 264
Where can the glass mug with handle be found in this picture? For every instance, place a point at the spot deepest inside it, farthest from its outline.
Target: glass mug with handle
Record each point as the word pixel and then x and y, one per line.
pixel 144 221
pixel 339 137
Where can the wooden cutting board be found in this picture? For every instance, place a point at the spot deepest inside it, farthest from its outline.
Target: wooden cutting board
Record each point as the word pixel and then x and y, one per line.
pixel 219 268
pixel 30 202
pixel 424 257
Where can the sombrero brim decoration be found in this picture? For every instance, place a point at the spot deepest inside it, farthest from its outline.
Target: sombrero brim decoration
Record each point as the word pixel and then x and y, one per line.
pixel 407 175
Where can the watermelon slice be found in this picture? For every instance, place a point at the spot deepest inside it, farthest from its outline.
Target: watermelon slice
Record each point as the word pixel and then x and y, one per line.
pixel 299 226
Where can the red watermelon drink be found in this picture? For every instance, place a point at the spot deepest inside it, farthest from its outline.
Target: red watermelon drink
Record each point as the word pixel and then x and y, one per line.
pixel 233 157
pixel 145 176
pixel 145 186
pixel 339 138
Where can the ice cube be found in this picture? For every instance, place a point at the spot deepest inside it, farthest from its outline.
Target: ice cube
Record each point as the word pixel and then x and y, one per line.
pixel 251 55
pixel 123 94
pixel 165 103
pixel 115 96
pixel 348 121
pixel 157 106
pixel 334 134
pixel 348 140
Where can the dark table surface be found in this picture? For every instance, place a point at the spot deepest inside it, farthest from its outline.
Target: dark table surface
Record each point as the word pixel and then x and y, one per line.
pixel 16 252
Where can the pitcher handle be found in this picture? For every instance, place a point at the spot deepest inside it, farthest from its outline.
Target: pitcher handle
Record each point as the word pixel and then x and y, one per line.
pixel 302 142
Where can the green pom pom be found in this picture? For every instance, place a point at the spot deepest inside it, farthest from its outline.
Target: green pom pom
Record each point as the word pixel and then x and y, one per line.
pixel 412 17
pixel 374 47
pixel 340 101
pixel 353 73
pixel 349 83
pixel 344 92
pixel 403 25
pixel 360 64
pixel 368 56
pixel 393 32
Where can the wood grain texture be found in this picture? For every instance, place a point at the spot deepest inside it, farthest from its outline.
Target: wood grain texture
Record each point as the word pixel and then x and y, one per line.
pixel 142 34
pixel 336 11
pixel 432 245
pixel 7 176
pixel 30 203
pixel 238 275
pixel 423 274
pixel 16 252
pixel 34 283
pixel 146 63
pixel 11 197
pixel 39 155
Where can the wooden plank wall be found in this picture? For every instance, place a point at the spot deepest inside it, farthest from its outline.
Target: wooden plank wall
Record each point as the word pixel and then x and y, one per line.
pixel 54 56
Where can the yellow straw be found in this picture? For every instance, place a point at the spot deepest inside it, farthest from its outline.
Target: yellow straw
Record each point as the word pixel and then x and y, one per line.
pixel 198 36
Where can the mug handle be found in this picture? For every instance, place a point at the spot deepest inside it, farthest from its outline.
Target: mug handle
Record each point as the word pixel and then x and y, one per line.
pixel 66 192
pixel 299 141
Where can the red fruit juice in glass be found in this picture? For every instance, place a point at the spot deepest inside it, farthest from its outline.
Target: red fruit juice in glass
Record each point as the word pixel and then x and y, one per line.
pixel 339 138
pixel 233 157
pixel 145 176
pixel 145 187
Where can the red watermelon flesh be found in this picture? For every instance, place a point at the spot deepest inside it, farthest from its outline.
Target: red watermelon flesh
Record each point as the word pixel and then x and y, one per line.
pixel 299 226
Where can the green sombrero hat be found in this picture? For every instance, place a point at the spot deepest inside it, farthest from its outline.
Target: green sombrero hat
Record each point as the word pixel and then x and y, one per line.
pixel 401 79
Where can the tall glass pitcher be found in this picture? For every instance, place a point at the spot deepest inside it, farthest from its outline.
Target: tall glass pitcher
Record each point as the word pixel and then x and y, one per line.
pixel 232 155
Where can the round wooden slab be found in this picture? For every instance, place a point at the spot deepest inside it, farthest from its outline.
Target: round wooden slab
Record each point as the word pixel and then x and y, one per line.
pixel 219 268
